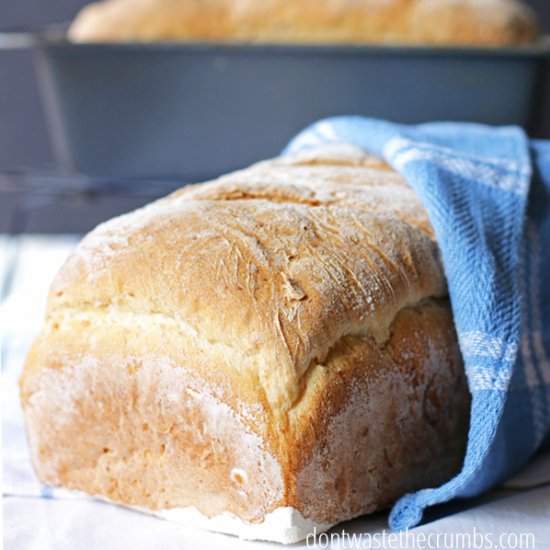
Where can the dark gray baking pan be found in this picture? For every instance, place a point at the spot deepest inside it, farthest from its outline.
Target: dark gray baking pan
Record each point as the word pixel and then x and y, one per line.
pixel 192 111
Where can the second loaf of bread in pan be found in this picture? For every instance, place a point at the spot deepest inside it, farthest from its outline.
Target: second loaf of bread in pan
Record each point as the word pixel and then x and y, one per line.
pixel 273 350
pixel 495 22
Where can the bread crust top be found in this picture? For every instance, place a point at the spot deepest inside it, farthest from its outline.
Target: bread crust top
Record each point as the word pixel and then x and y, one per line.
pixel 490 22
pixel 268 268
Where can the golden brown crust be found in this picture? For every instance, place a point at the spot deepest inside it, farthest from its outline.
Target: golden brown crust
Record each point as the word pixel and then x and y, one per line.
pixel 491 22
pixel 252 342
pixel 111 414
pixel 395 420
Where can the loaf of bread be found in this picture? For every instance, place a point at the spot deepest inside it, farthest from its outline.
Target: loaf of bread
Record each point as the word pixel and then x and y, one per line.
pixel 263 354
pixel 493 22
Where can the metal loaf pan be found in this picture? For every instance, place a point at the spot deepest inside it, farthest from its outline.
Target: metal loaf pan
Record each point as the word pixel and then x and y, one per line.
pixel 192 111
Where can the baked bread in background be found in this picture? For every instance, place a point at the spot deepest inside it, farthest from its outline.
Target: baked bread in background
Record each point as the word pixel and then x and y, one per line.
pixel 489 22
pixel 273 350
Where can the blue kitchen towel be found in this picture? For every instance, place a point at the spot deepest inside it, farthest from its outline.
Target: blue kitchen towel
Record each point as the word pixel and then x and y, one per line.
pixel 487 192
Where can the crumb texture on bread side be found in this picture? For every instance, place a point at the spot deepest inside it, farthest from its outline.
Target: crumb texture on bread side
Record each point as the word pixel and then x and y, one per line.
pixel 278 337
pixel 489 22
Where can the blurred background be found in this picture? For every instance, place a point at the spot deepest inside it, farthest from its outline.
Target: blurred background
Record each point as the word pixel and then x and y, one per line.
pixel 54 204
pixel 23 136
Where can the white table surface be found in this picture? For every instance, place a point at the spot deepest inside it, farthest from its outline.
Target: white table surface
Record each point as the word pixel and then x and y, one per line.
pixel 519 511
